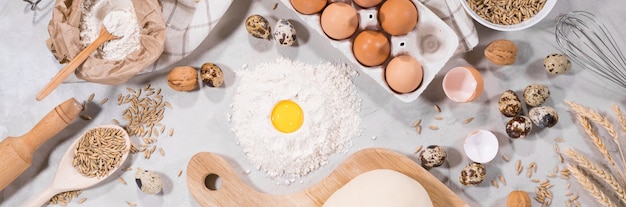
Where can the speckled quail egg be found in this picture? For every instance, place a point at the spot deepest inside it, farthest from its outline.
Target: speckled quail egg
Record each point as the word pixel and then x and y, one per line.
pixel 148 181
pixel 509 104
pixel 519 127
pixel 556 64
pixel 211 74
pixel 258 27
pixel 433 156
pixel 472 174
pixel 536 94
pixel 543 116
pixel 284 33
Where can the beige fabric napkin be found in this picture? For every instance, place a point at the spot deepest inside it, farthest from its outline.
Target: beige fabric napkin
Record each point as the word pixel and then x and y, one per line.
pixel 453 14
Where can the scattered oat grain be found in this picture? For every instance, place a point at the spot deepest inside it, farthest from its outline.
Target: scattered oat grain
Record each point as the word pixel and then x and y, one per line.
pixel 419 148
pixel 90 99
pixel 433 127
pixel 121 180
pixel 559 139
pixel 131 203
pixel 438 117
pixel 437 108
pixel 104 100
pixel 161 151
pixel 505 158
pixel 417 122
pixel 502 180
pixel 419 129
pixel 85 117
pixel 82 200
pixel 468 120
pixel 180 172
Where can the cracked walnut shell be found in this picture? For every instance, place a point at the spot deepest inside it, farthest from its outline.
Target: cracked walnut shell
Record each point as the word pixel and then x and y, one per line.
pixel 183 78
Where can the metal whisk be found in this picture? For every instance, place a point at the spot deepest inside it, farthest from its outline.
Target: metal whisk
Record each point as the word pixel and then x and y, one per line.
pixel 588 43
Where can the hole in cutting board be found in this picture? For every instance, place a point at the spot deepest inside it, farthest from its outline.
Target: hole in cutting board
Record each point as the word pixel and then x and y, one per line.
pixel 213 182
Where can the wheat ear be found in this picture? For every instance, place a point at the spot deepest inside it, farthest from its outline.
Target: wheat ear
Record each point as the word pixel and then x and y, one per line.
pixel 590 186
pixel 622 123
pixel 584 122
pixel 602 121
pixel 598 171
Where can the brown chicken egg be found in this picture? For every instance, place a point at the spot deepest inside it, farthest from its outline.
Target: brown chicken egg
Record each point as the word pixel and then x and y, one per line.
pixel 308 6
pixel 398 17
pixel 367 3
pixel 339 20
pixel 371 48
pixel 404 74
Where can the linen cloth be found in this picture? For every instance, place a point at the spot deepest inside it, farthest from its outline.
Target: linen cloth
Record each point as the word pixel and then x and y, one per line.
pixel 453 14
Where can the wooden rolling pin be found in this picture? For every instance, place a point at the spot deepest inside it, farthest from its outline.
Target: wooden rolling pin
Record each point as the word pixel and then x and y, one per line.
pixel 16 153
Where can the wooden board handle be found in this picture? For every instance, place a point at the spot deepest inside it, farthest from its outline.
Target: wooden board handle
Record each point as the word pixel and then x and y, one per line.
pixel 17 152
pixel 233 192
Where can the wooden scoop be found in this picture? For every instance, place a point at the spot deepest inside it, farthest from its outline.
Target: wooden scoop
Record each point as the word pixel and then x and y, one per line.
pixel 17 152
pixel 233 192
pixel 74 63
pixel 67 178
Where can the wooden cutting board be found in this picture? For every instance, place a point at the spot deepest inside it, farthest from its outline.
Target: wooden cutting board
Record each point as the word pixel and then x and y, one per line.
pixel 233 192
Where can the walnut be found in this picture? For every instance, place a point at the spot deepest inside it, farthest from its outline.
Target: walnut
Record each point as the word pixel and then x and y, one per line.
pixel 501 52
pixel 183 78
pixel 211 74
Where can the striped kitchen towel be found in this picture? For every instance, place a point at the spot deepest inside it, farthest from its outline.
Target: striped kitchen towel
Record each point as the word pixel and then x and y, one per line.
pixel 188 23
pixel 453 14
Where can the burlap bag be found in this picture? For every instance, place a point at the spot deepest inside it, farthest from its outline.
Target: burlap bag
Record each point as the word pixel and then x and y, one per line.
pixel 64 42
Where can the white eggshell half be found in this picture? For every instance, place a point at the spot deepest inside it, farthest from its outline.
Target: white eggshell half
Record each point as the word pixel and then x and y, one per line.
pixel 481 146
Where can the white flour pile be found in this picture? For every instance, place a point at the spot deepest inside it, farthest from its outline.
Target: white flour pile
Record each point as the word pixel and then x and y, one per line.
pixel 119 18
pixel 330 106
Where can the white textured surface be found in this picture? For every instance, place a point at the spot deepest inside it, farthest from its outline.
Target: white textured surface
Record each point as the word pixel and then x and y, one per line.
pixel 199 117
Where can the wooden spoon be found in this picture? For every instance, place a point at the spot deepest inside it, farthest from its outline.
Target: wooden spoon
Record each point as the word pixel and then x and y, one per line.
pixel 206 166
pixel 68 179
pixel 74 63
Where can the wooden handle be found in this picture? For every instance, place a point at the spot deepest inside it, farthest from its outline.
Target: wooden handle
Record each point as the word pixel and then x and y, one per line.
pixel 233 192
pixel 74 63
pixel 17 152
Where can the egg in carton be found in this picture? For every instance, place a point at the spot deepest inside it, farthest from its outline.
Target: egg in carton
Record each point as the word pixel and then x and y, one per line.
pixel 430 43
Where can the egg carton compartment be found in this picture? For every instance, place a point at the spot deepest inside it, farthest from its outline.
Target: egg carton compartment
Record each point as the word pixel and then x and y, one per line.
pixel 432 42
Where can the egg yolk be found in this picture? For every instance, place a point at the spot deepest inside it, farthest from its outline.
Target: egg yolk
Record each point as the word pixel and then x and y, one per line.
pixel 287 116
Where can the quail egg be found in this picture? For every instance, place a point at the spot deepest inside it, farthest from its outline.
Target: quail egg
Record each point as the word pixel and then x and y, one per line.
pixel 284 33
pixel 258 27
pixel 211 74
pixel 543 116
pixel 472 174
pixel 433 156
pixel 536 94
pixel 556 64
pixel 148 181
pixel 509 104
pixel 519 127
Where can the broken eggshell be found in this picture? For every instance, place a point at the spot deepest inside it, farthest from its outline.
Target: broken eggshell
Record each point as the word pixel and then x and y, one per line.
pixel 481 146
pixel 463 84
pixel 544 116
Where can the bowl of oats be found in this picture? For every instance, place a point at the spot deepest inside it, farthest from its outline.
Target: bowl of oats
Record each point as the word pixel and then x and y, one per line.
pixel 508 15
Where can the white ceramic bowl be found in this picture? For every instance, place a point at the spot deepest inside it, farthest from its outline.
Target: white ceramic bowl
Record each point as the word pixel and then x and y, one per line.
pixel 547 7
